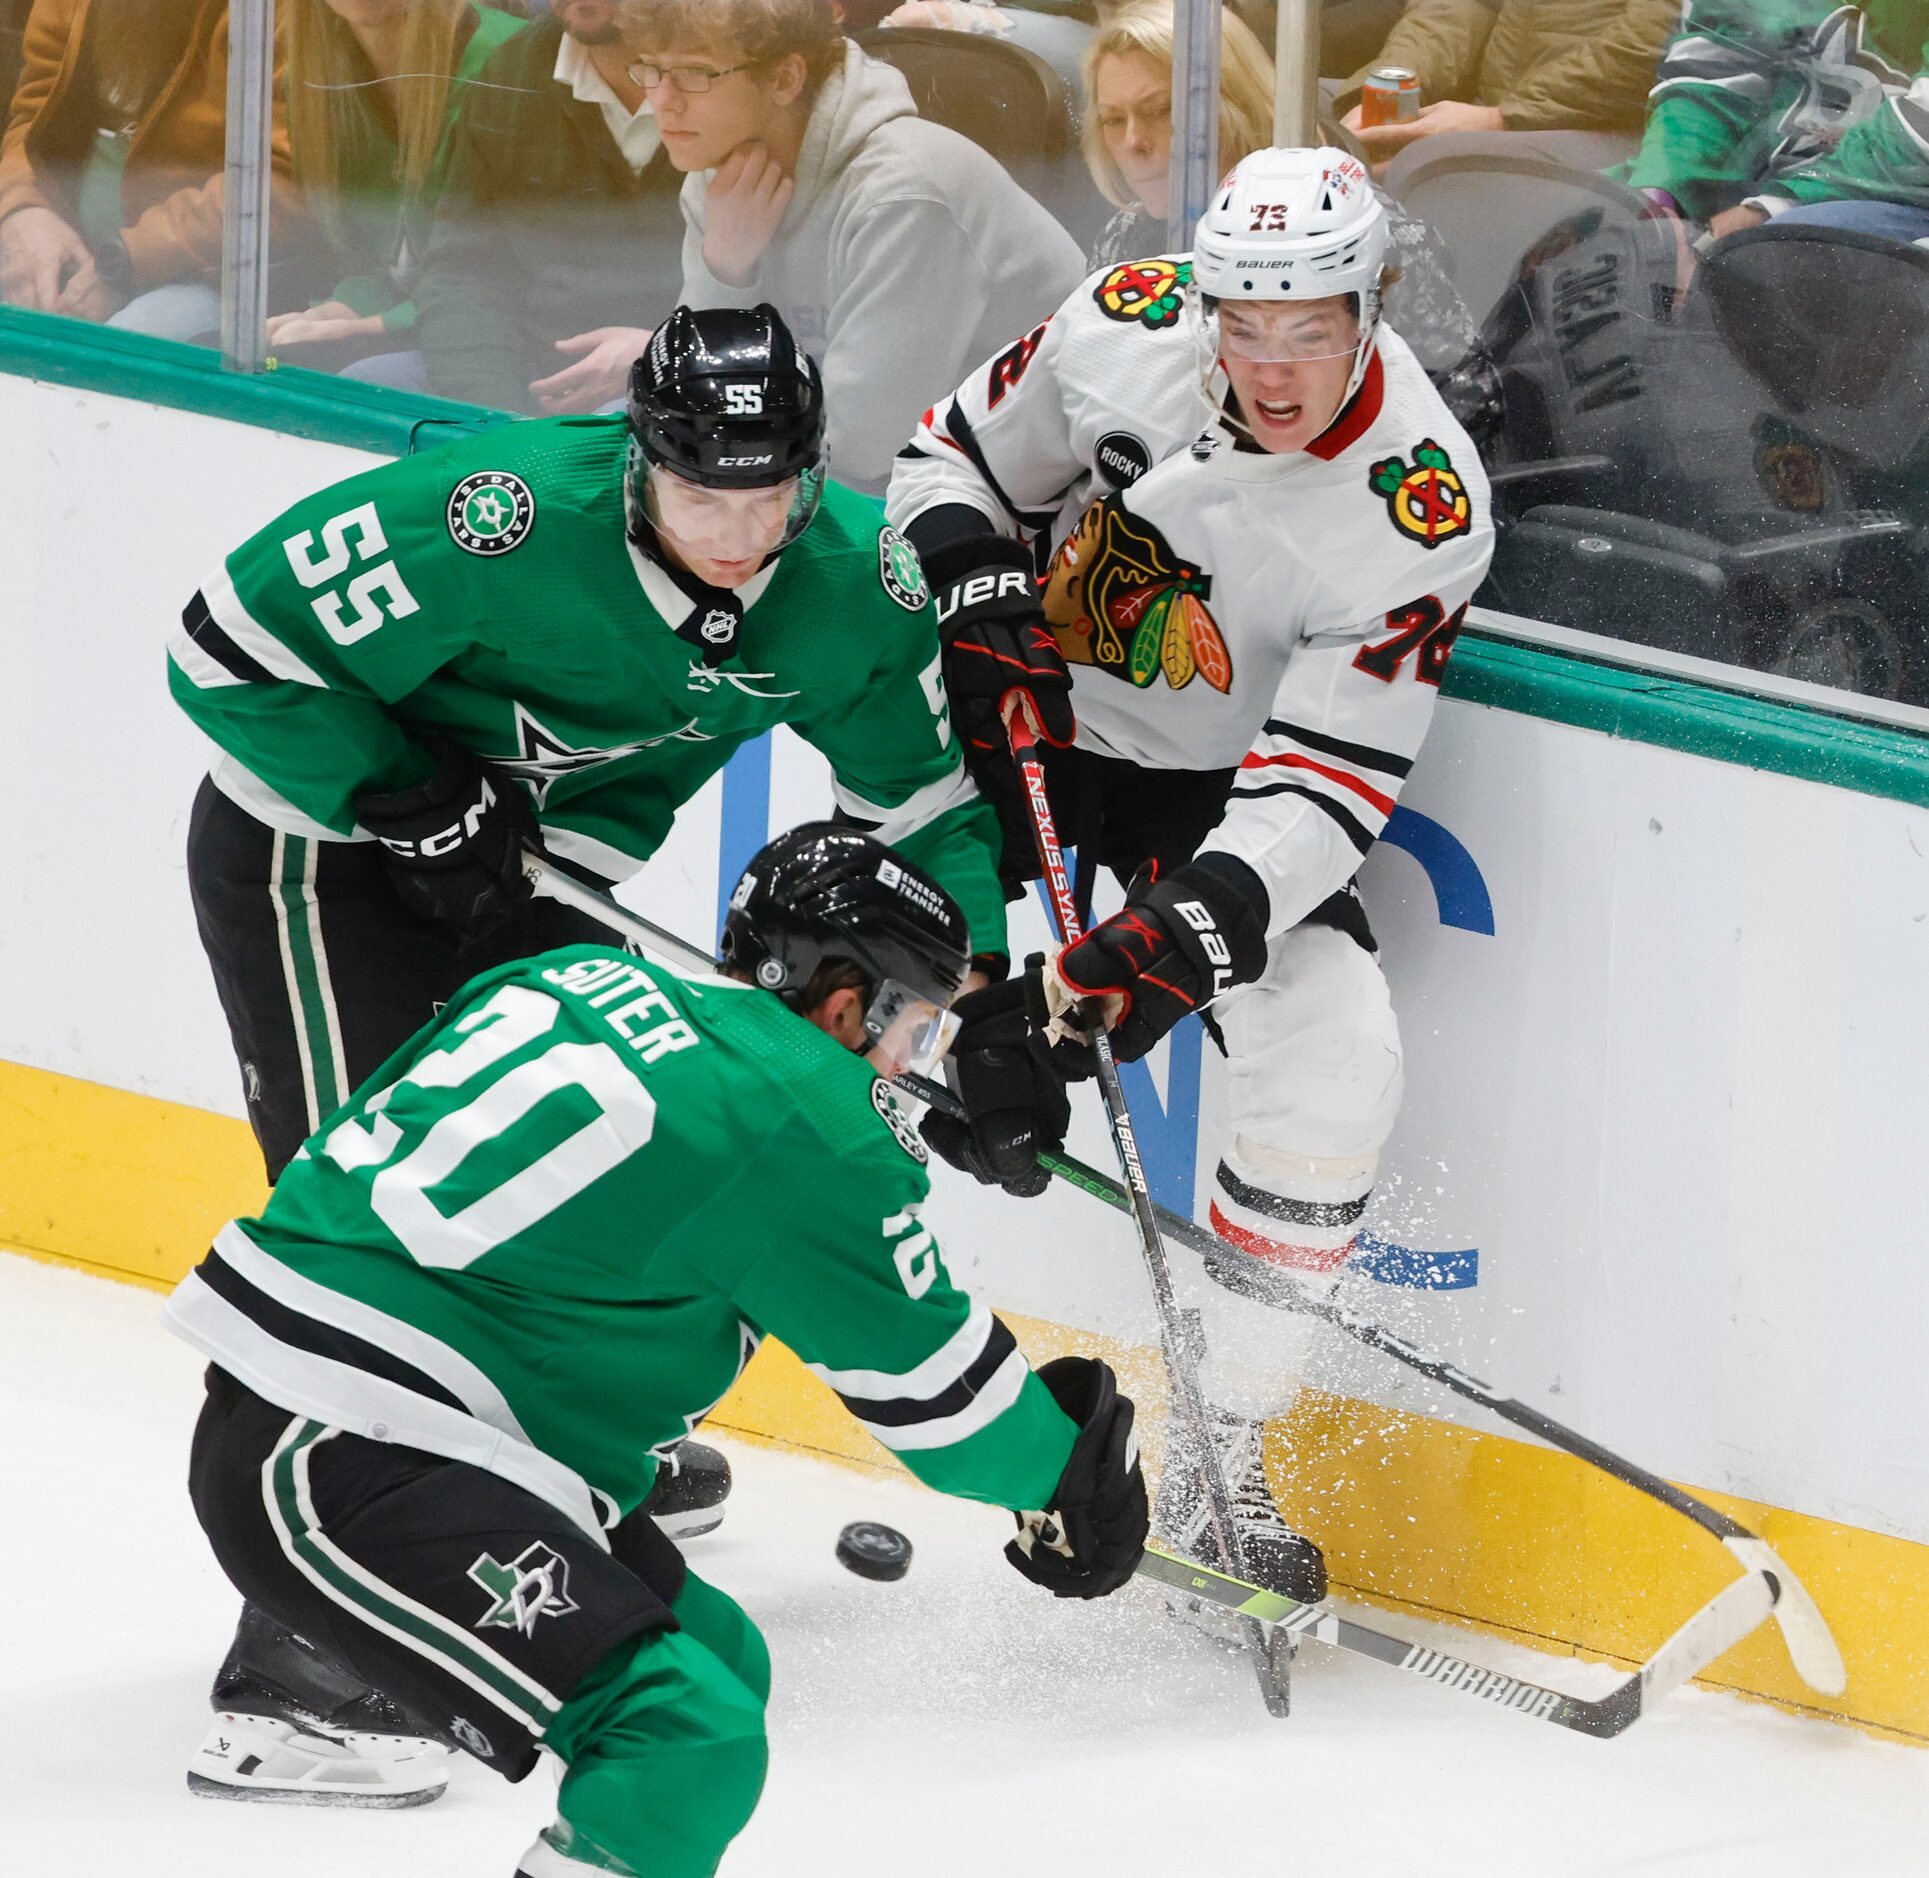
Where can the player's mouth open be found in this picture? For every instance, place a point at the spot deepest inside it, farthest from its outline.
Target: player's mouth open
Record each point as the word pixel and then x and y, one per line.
pixel 1277 411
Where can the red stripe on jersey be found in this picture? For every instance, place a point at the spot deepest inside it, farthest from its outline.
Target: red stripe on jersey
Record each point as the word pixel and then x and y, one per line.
pixel 1306 1258
pixel 1346 780
pixel 1357 419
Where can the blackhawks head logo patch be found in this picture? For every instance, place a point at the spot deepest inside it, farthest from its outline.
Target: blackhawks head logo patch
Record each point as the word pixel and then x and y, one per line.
pixel 901 572
pixel 491 512
pixel 1117 597
pixel 1426 498
pixel 1144 293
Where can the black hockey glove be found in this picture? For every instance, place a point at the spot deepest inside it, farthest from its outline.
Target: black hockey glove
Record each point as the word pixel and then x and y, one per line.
pixel 1090 1539
pixel 1182 939
pixel 995 640
pixel 1015 1100
pixel 455 842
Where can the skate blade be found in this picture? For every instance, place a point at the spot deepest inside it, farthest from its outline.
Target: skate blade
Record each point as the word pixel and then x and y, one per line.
pixel 689 1525
pixel 367 1799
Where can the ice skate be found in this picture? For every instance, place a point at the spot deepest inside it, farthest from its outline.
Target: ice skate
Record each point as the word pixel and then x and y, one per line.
pixel 691 1486
pixel 293 1729
pixel 1270 1553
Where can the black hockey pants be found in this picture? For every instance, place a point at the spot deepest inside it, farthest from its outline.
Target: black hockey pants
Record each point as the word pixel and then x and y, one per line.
pixel 322 972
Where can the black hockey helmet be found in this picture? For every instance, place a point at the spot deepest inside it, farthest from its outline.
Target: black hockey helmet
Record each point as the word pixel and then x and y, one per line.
pixel 725 398
pixel 824 892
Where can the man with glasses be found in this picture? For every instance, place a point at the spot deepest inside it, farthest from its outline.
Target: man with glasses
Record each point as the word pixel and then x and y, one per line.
pixel 1259 527
pixel 553 633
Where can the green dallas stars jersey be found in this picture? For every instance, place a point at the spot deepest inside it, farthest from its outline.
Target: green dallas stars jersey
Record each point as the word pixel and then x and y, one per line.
pixel 487 591
pixel 546 1235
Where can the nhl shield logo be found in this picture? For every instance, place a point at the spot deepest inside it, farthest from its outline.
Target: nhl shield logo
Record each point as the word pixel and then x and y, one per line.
pixel 491 512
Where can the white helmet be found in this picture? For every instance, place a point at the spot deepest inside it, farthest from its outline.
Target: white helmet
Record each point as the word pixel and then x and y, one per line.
pixel 1291 225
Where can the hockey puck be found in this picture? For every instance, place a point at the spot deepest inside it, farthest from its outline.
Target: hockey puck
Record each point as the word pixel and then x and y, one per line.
pixel 874 1551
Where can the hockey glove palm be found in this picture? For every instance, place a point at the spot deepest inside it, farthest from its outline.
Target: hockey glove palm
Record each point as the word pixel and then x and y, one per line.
pixel 1181 941
pixel 454 843
pixel 1015 1102
pixel 1091 1538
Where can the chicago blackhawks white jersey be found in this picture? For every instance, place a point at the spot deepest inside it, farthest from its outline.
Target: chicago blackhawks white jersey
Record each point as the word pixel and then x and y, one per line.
pixel 1287 616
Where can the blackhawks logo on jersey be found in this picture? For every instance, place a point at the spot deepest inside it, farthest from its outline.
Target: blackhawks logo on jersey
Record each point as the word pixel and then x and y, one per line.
pixel 1426 498
pixel 1119 598
pixel 1144 293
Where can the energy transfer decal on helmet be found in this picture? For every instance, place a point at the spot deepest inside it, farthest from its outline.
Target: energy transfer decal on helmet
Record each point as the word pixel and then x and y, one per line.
pixel 1426 498
pixel 1144 293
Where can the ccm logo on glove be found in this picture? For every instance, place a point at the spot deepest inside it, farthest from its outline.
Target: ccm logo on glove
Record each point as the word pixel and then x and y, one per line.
pixel 448 840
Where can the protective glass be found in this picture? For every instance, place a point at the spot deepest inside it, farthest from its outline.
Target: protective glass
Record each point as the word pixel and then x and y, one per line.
pixel 695 79
pixel 909 1028
pixel 1285 332
pixel 730 524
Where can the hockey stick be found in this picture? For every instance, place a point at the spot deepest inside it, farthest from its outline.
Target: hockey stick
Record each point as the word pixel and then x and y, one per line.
pixel 1806 1634
pixel 1182 1378
pixel 1718 1626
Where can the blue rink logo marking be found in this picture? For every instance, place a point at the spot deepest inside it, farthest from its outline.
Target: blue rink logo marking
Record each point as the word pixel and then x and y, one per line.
pixel 1168 1130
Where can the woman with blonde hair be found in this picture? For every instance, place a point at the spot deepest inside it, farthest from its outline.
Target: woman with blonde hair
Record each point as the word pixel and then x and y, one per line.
pixel 372 87
pixel 1127 128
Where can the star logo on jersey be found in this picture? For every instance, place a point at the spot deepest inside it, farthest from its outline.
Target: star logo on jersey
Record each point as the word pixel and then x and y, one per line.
pixel 544 759
pixel 1118 597
pixel 491 512
pixel 1426 498
pixel 901 572
pixel 533 1585
pixel 1144 293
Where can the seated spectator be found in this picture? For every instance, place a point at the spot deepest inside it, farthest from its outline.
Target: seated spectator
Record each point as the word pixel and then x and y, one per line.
pixel 1575 73
pixel 1792 108
pixel 556 235
pixel 371 88
pixel 898 251
pixel 111 164
pixel 1127 135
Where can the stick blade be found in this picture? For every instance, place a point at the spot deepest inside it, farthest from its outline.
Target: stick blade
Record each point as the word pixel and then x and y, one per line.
pixel 1810 1643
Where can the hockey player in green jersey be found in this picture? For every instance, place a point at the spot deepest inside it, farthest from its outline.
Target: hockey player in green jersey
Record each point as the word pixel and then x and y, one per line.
pixel 527 1254
pixel 560 628
pixel 555 632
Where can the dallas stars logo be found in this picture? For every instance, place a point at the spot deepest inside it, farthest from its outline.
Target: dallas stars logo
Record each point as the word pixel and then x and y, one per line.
pixel 544 759
pixel 491 512
pixel 533 1584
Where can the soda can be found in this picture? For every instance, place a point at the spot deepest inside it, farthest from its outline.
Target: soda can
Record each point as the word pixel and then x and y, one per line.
pixel 1391 95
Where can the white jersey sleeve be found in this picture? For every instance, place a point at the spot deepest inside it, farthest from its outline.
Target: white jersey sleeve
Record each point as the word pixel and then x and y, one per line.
pixel 1346 723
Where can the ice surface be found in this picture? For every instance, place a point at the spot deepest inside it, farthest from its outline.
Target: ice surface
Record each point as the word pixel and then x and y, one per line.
pixel 956 1724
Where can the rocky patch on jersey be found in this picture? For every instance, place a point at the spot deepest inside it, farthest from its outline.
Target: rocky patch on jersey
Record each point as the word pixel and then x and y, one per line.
pixel 897 1121
pixel 901 572
pixel 1144 293
pixel 1121 458
pixel 1426 498
pixel 1118 597
pixel 491 512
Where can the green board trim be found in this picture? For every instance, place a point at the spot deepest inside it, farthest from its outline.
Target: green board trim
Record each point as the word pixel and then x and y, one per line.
pixel 1770 734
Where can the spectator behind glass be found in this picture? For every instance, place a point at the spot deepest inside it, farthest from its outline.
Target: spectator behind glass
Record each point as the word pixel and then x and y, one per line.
pixel 557 233
pixel 1550 67
pixel 111 164
pixel 1127 117
pixel 370 102
pixel 899 253
pixel 1793 109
